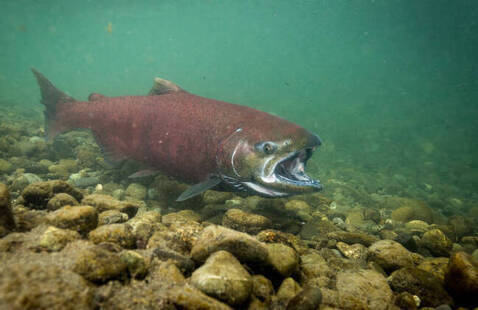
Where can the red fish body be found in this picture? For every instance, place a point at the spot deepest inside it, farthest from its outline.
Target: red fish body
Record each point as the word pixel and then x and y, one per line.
pixel 183 135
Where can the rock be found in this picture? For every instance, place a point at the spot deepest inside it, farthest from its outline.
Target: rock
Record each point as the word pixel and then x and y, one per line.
pixel 245 222
pixel 421 283
pixel 5 166
pixel 42 286
pixel 136 191
pixel 390 255
pixel 436 242
pixel 135 263
pixel 262 288
pixel 312 229
pixel 402 214
pixel 282 258
pixel 121 234
pixel 461 278
pixel 215 197
pixel 63 168
pixel 55 239
pixel 187 297
pixel 223 277
pixel 313 265
pixel 97 264
pixel 7 223
pixel 308 299
pixel 369 288
pixel 60 200
pixel 353 237
pixel 436 266
pixel 80 218
pixel 417 227
pixel 300 209
pixel 112 217
pixel 105 202
pixel 287 290
pixel 24 180
pixel 183 262
pixel 244 247
pixel 190 215
pixel 405 300
pixel 37 195
pixel 354 251
pixel 143 226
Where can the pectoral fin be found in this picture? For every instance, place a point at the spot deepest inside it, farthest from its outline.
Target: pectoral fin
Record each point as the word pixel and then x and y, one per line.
pixel 198 188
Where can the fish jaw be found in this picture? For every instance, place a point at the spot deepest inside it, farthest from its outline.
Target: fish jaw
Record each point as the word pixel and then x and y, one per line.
pixel 278 174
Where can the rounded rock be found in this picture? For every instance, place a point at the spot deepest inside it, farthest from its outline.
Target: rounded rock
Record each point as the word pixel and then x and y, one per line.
pixel 136 191
pixel 80 218
pixel 112 217
pixel 7 222
pixel 282 258
pixel 461 278
pixel 390 255
pixel 223 277
pixel 436 242
pixel 97 264
pixel 60 200
pixel 245 222
pixel 121 234
pixel 55 239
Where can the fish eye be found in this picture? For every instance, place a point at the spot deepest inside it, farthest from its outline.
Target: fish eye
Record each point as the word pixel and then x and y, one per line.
pixel 267 147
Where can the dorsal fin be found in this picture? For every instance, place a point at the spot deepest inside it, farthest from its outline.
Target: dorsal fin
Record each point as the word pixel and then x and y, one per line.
pixel 162 86
pixel 96 97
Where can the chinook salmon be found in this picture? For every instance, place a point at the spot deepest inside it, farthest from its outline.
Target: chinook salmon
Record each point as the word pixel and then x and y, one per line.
pixel 209 143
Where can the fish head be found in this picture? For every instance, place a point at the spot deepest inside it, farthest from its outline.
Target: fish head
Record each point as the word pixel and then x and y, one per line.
pixel 268 165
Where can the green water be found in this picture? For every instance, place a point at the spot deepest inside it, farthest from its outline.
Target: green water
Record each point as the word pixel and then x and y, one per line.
pixel 390 86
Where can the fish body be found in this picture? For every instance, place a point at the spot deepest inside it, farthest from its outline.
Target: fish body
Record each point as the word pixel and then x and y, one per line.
pixel 188 137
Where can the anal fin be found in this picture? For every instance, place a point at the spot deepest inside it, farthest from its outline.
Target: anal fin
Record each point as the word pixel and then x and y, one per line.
pixel 198 188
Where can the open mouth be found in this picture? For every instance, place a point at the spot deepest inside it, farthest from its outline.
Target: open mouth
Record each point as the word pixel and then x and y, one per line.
pixel 291 170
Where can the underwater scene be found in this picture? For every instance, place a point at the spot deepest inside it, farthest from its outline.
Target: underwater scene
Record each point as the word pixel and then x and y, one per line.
pixel 264 154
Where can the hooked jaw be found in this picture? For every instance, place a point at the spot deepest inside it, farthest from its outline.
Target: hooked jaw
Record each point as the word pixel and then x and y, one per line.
pixel 286 177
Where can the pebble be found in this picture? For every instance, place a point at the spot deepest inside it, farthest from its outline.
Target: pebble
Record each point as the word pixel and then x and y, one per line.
pixel 390 255
pixel 97 264
pixel 143 226
pixel 24 180
pixel 353 237
pixel 282 258
pixel 245 222
pixel 135 262
pixel 112 217
pixel 262 288
pixel 223 277
pixel 121 234
pixel 188 297
pixel 355 251
pixel 60 200
pixel 106 202
pixel 436 242
pixel 369 288
pixel 461 278
pixel 308 299
pixel 417 227
pixel 136 191
pixel 79 218
pixel 37 195
pixel 421 283
pixel 55 239
pixel 244 247
pixel 288 289
pixel 436 266
pixel 299 208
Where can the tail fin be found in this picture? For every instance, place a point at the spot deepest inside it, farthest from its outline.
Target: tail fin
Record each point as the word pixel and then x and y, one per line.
pixel 50 98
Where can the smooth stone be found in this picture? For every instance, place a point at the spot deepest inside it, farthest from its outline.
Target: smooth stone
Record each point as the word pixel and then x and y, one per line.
pixel 37 195
pixel 282 258
pixel 5 166
pixel 355 251
pixel 24 180
pixel 244 247
pixel 369 287
pixel 436 266
pixel 7 222
pixel 308 299
pixel 97 264
pixel 135 262
pixel 105 202
pixel 60 200
pixel 421 283
pixel 461 278
pixel 417 226
pixel 188 297
pixel 136 191
pixel 112 217
pixel 223 277
pixel 353 237
pixel 143 225
pixel 121 234
pixel 390 255
pixel 299 208
pixel 288 289
pixel 79 218
pixel 215 197
pixel 313 265
pixel 436 242
pixel 262 288
pixel 55 239
pixel 245 222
